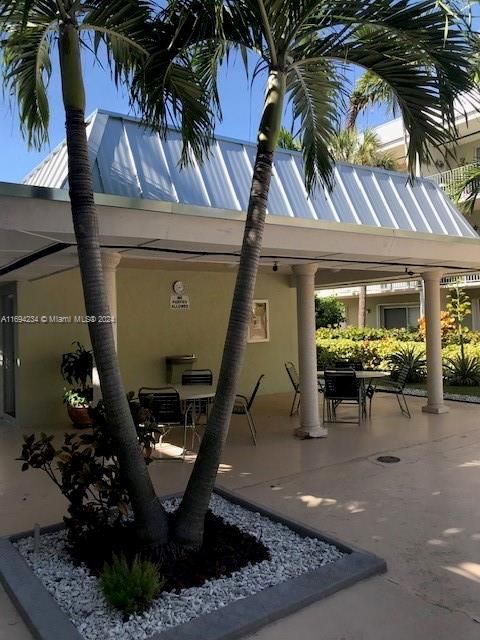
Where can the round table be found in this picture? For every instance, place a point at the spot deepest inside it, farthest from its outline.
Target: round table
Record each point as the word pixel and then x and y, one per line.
pixel 195 391
pixel 361 375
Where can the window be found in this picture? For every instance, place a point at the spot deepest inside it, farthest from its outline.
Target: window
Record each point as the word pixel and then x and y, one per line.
pixel 400 317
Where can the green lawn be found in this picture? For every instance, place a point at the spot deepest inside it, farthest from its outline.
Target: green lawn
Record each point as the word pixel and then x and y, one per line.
pixel 447 388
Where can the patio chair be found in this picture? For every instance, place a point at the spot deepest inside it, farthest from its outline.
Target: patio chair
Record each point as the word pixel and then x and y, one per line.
pixel 295 380
pixel 165 413
pixel 397 387
pixel 199 376
pixel 341 387
pixel 243 406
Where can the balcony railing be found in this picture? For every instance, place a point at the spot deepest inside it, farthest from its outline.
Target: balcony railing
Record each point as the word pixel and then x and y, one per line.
pixel 449 180
pixel 464 280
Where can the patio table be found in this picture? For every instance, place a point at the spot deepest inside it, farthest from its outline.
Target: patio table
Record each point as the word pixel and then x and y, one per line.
pixel 365 378
pixel 195 391
pixel 362 375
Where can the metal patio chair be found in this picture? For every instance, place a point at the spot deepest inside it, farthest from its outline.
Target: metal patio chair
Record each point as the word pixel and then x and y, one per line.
pixel 166 413
pixel 204 377
pixel 341 387
pixel 243 405
pixel 295 380
pixel 397 387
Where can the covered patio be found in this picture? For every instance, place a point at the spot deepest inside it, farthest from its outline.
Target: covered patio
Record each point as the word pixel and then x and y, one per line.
pixel 419 514
pixel 157 220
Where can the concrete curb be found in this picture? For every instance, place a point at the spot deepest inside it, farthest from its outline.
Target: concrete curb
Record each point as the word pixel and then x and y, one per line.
pixel 47 621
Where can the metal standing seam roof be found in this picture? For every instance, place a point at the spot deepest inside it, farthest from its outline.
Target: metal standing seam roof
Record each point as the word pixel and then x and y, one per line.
pixel 132 161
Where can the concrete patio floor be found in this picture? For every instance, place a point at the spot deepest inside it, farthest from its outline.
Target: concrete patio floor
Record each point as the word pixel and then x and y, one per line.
pixel 420 514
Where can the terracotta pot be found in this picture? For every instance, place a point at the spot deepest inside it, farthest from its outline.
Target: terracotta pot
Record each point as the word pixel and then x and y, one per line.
pixel 80 417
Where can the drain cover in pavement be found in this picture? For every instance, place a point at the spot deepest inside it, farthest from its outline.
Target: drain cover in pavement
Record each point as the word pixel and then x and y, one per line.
pixel 388 459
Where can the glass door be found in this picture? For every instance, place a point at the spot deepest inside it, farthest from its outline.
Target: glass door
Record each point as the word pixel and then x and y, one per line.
pixel 8 308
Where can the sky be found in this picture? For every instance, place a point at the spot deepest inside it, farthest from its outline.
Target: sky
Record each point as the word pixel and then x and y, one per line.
pixel 241 111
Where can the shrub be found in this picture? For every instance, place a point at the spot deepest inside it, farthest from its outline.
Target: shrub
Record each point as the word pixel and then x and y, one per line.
pixel 86 472
pixel 412 357
pixel 447 324
pixel 368 333
pixel 130 588
pixel 329 312
pixel 462 370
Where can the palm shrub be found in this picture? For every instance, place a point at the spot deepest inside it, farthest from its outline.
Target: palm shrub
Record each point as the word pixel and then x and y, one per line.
pixel 462 370
pixel 130 587
pixel 34 33
pixel 414 358
pixel 305 47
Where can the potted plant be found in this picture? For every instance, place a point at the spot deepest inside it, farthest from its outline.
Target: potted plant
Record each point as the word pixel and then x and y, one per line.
pixel 76 368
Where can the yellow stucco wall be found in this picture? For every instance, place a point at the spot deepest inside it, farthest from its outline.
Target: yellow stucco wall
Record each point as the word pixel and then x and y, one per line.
pixel 147 331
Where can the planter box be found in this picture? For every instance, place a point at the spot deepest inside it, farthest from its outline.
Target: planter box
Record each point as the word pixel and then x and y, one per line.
pixel 47 621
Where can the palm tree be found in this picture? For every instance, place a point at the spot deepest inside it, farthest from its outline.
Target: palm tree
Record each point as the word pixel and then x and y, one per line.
pixel 348 145
pixel 304 46
pixel 32 30
pixel 370 89
pixel 286 140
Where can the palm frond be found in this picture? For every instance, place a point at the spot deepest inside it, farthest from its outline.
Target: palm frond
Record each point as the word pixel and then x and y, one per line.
pixel 419 49
pixel 370 89
pixel 27 68
pixel 122 27
pixel 465 190
pixel 314 91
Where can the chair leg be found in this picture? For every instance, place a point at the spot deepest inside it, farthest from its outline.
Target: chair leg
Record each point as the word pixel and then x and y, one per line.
pixel 251 424
pixel 403 407
pixel 293 410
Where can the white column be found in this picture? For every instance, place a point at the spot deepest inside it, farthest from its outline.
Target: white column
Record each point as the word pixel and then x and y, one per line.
pixel 110 262
pixel 310 425
pixel 422 298
pixel 434 404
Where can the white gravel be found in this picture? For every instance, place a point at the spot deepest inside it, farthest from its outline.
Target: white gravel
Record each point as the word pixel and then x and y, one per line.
pixel 80 596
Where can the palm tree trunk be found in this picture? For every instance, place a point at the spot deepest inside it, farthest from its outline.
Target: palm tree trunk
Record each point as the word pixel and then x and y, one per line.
pixel 190 517
pixel 362 306
pixel 150 516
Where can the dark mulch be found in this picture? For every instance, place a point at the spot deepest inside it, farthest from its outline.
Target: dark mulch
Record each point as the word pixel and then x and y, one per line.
pixel 225 550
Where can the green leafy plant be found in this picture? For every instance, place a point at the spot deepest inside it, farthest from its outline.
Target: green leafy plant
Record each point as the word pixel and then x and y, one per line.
pixel 130 587
pixel 412 357
pixel 462 370
pixel 75 398
pixel 86 472
pixel 76 366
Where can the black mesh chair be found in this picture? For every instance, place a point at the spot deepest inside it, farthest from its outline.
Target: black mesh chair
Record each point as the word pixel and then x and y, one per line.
pixel 199 376
pixel 165 412
pixel 397 387
pixel 341 387
pixel 243 405
pixel 295 380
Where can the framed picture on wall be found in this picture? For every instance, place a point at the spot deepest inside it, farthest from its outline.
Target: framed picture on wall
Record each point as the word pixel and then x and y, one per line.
pixel 259 328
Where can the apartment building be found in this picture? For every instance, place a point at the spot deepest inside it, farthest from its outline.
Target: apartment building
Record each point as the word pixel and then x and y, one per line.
pixel 400 303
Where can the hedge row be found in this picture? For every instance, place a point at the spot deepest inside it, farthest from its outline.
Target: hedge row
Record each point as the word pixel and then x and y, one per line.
pixel 374 354
pixel 401 335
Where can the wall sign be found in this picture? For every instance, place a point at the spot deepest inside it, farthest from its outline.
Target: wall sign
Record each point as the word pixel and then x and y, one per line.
pixel 180 303
pixel 178 300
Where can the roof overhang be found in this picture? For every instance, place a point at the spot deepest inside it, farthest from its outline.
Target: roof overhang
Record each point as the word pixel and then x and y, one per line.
pixel 36 219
